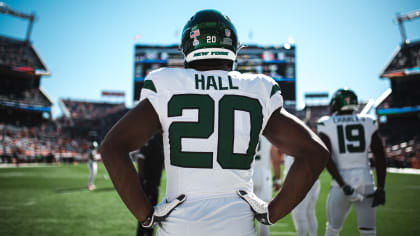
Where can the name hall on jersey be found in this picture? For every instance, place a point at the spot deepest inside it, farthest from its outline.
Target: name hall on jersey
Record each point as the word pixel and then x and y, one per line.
pixel 206 82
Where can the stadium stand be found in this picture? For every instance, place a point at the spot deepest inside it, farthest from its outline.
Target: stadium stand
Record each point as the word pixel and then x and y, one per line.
pixel 27 131
pixel 89 110
pixel 21 99
pixel 19 55
pixel 90 119
pixel 65 139
pixel 398 109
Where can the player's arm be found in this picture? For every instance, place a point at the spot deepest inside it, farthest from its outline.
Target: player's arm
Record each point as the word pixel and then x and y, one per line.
pixel 380 163
pixel 331 167
pixel 276 159
pixel 379 155
pixel 128 134
pixel 292 137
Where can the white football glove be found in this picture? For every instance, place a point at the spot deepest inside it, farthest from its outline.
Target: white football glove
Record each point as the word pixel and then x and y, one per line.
pixel 162 210
pixel 352 194
pixel 258 206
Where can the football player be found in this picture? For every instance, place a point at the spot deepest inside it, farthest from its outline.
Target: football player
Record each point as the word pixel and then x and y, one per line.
pixel 93 157
pixel 348 136
pixel 211 118
pixel 262 178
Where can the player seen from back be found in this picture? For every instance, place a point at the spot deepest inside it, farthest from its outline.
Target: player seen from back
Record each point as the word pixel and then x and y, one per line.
pixel 348 136
pixel 210 118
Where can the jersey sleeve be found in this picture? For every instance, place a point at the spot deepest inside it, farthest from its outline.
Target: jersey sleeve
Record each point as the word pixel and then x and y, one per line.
pixel 272 97
pixel 152 91
pixel 149 89
pixel 371 125
pixel 275 99
pixel 321 125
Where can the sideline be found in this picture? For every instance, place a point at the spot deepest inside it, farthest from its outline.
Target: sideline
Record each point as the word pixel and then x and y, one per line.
pixel 27 165
pixel 403 171
pixel 33 165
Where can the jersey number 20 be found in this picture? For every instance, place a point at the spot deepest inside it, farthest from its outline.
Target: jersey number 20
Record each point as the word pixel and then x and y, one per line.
pixel 205 126
pixel 353 133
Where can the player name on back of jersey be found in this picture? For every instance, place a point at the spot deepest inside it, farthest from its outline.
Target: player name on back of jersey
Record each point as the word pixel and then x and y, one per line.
pixel 208 82
pixel 345 119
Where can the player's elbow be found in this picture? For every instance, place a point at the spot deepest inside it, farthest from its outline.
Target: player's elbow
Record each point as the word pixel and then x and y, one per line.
pixel 324 155
pixel 321 154
pixel 108 148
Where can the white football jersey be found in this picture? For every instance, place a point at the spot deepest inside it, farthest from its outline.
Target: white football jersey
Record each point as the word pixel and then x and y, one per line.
pixel 262 170
pixel 350 137
pixel 211 122
pixel 262 157
pixel 288 162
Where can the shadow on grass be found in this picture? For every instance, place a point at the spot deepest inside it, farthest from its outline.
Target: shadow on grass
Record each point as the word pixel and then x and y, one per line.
pixel 84 189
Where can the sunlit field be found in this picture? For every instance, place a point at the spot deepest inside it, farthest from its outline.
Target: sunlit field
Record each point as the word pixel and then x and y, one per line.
pixel 54 200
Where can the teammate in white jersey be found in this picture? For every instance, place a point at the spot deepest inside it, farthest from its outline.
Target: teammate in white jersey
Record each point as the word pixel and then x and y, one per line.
pixel 262 178
pixel 348 136
pixel 303 215
pixel 211 118
pixel 93 157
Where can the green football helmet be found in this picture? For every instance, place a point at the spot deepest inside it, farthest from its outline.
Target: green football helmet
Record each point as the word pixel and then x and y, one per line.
pixel 343 100
pixel 209 35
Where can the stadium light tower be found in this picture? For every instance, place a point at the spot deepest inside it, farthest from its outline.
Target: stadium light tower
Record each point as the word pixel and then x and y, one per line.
pixel 5 9
pixel 406 17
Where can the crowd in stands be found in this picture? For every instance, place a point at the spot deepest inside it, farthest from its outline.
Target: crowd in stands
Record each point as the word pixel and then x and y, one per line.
pixel 408 56
pixel 44 143
pixel 31 97
pixel 404 154
pixel 18 53
pixel 68 139
pixel 60 140
pixel 90 110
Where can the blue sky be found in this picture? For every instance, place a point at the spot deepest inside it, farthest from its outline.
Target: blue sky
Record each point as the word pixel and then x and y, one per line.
pixel 88 46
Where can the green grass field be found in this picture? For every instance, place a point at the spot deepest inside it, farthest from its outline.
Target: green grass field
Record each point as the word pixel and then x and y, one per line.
pixel 54 201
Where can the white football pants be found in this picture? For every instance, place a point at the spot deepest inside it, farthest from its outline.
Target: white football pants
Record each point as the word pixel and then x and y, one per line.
pixel 93 169
pixel 304 217
pixel 263 189
pixel 221 216
pixel 338 207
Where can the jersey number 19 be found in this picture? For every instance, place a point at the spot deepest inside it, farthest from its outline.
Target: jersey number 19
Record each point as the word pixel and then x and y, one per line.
pixel 353 133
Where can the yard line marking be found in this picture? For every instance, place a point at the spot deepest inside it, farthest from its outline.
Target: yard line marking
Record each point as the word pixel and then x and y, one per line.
pixel 404 171
pixel 26 165
pixel 281 233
